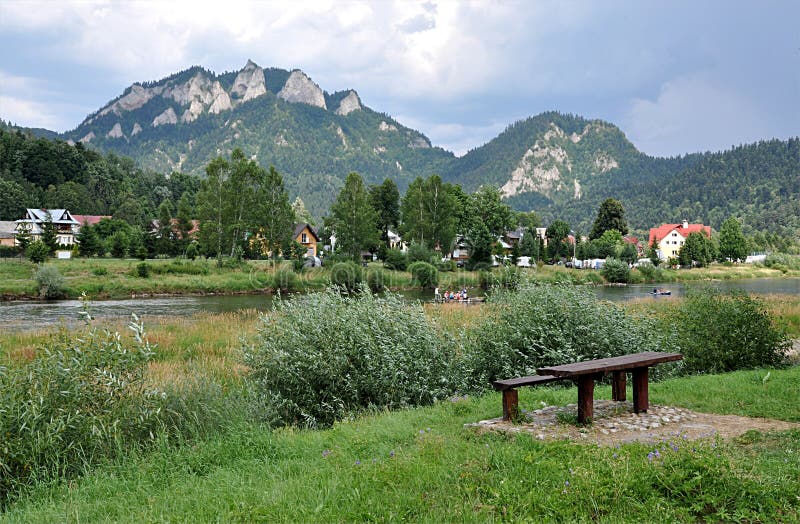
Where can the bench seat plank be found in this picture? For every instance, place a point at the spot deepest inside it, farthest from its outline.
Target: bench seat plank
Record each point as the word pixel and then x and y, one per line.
pixel 511 383
pixel 604 365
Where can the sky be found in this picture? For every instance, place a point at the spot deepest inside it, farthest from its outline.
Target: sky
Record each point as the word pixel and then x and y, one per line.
pixel 676 77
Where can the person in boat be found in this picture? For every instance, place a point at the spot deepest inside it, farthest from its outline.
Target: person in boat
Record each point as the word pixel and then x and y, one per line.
pixel 655 291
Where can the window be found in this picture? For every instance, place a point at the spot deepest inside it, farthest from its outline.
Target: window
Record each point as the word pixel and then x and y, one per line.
pixel 304 238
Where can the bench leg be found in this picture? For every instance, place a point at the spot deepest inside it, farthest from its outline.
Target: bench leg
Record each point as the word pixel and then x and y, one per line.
pixel 585 398
pixel 618 386
pixel 640 399
pixel 510 404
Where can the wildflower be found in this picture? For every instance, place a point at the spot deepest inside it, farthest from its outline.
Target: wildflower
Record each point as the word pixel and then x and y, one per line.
pixel 326 452
pixel 358 462
pixel 650 456
pixel 391 453
pixel 615 455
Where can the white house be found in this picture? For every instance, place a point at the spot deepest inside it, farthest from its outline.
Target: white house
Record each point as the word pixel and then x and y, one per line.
pixel 66 225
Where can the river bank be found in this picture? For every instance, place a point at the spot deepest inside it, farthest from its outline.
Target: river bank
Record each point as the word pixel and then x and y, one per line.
pixel 116 278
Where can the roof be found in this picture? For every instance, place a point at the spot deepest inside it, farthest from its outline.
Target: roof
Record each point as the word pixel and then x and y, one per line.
pixel 90 220
pixel 57 216
pixel 298 228
pixel 7 229
pixel 662 231
pixel 631 240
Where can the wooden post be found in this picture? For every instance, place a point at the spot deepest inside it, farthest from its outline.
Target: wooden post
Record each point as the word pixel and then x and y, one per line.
pixel 640 400
pixel 618 386
pixel 585 398
pixel 510 406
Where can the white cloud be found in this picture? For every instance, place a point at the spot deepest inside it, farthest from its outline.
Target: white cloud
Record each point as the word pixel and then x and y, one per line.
pixel 28 113
pixel 689 115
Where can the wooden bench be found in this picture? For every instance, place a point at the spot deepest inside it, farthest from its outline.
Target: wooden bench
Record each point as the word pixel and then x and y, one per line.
pixel 585 373
pixel 510 396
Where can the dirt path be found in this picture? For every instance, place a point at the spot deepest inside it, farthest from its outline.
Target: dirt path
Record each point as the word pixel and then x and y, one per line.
pixel 615 423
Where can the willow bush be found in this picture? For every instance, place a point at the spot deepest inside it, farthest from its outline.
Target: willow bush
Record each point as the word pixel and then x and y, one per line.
pixel 325 356
pixel 542 325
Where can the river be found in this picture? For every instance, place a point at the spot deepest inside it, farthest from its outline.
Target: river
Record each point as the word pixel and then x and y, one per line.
pixel 31 315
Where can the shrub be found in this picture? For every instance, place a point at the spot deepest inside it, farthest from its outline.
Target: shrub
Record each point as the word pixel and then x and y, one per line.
pixel 84 399
pixel 446 265
pixel 782 262
pixel 376 280
pixel 509 277
pixel 37 252
pixel 486 279
pixel 363 352
pixel 143 270
pixel 99 271
pixel 424 274
pixel 395 259
pixel 177 267
pixel 420 253
pixel 649 272
pixel 719 332
pixel 548 325
pixel 9 251
pixel 50 282
pixel 286 280
pixel 616 271
pixel 141 253
pixel 191 251
pixel 346 275
pixel 481 266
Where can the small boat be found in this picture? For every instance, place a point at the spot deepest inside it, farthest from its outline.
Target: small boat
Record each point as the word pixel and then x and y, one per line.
pixel 660 292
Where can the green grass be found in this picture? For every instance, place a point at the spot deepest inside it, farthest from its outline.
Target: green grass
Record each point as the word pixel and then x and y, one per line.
pixel 424 465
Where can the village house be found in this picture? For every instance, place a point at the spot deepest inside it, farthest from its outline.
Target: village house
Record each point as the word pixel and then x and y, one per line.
pixel 66 225
pixel 669 238
pixel 306 234
pixel 7 234
pixel 89 220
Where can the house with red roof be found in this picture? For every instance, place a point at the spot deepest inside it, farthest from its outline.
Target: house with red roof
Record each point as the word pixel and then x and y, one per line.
pixel 669 238
pixel 90 220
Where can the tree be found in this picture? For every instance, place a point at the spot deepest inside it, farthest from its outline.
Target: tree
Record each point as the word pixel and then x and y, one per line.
pixel 611 215
pixel 489 209
pixel 529 244
pixel 629 253
pixel 609 243
pixel 652 253
pixel 184 219
pixel 557 246
pixel 23 236
pixel 274 217
pixel 428 209
pixel 37 252
pixel 119 244
pixel 49 233
pixel 385 199
pixel 301 214
pixel 697 250
pixel 88 241
pixel 353 219
pixel 164 233
pixel 529 220
pixel 480 242
pixel 732 243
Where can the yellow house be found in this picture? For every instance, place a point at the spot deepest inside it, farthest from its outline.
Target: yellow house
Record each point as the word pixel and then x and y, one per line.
pixel 670 237
pixel 306 234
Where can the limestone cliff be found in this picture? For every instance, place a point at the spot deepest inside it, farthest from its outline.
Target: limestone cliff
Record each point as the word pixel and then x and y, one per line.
pixel 300 88
pixel 249 83
pixel 349 104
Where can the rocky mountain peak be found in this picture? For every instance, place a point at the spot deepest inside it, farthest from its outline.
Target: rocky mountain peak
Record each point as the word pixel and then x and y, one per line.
pixel 300 88
pixel 250 82
pixel 349 104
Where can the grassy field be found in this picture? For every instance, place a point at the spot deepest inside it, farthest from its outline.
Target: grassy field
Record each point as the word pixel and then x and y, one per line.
pixel 115 278
pixel 424 465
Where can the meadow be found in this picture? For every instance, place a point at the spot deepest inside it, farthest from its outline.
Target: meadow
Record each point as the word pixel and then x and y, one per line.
pixel 100 278
pixel 421 463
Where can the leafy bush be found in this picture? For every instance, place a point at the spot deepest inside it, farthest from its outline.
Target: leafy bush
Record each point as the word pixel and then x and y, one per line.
pixel 420 253
pixel 177 267
pixel 37 252
pixel 347 275
pixel 363 352
pixel 50 282
pixel 782 260
pixel 548 325
pixel 509 277
pixel 719 332
pixel 424 274
pixel 9 251
pixel 649 272
pixel 84 399
pixel 396 259
pixel 486 280
pixel 143 270
pixel 480 266
pixel 376 280
pixel 99 271
pixel 446 265
pixel 616 271
pixel 191 251
pixel 286 280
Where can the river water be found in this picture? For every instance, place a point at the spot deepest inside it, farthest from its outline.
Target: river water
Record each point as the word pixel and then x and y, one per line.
pixel 30 315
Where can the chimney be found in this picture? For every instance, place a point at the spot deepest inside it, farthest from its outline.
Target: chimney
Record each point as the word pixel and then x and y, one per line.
pixel 685 224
